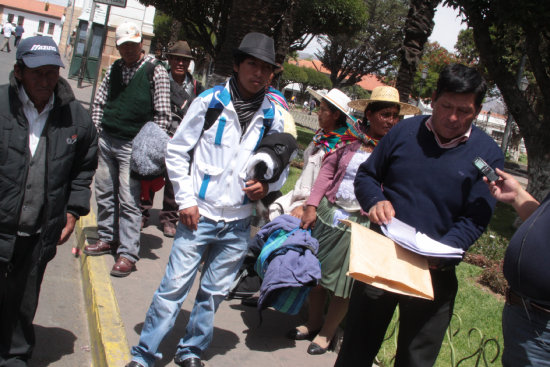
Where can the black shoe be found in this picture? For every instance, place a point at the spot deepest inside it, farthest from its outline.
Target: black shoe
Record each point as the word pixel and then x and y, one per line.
pixel 134 364
pixel 189 362
pixel 296 334
pixel 250 302
pixel 316 349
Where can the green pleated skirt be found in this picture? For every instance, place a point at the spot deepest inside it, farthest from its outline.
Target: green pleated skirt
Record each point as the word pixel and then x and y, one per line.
pixel 334 248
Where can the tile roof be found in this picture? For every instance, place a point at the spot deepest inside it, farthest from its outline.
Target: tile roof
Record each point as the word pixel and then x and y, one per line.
pixel 368 82
pixel 34 6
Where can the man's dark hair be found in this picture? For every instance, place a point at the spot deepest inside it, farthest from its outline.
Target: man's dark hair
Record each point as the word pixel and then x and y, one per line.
pixel 458 78
pixel 239 57
pixel 342 119
pixel 20 64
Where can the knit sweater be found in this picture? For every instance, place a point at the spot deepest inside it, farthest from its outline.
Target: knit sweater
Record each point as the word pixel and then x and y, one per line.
pixel 438 191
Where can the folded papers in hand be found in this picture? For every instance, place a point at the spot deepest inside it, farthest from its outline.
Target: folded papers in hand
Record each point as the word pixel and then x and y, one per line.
pixel 407 237
pixel 380 262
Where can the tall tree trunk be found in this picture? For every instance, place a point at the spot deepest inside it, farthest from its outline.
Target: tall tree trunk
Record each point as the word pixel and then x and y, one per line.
pixel 175 29
pixel 418 28
pixel 246 16
pixel 535 129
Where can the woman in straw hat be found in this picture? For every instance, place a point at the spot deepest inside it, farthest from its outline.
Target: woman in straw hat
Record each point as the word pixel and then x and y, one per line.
pixel 332 198
pixel 332 128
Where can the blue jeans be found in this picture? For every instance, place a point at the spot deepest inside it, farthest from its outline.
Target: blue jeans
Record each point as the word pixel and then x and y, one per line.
pixel 226 244
pixel 526 334
pixel 117 196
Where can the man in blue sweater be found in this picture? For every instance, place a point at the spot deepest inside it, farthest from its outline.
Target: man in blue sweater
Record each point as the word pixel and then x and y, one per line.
pixel 421 172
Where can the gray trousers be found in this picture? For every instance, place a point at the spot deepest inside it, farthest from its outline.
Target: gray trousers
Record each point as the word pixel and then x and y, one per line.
pixel 6 44
pixel 117 197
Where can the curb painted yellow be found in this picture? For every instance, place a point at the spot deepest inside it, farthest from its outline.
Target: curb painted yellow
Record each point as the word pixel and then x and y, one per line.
pixel 107 334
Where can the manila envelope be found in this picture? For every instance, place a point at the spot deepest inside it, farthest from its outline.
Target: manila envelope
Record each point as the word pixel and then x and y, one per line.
pixel 380 262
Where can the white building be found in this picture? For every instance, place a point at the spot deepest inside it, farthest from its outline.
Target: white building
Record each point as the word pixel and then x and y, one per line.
pixel 101 39
pixel 38 18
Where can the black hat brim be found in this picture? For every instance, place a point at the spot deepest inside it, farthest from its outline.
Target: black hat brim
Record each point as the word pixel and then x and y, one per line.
pixel 254 53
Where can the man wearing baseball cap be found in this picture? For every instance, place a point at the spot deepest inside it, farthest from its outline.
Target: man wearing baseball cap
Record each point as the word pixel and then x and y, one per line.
pixel 215 201
pixel 48 156
pixel 135 90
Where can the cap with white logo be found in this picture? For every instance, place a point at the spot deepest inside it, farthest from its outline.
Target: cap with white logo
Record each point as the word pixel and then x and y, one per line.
pixel 38 51
pixel 127 32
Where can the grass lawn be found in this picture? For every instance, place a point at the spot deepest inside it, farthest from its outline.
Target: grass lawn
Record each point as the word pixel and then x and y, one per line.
pixel 477 319
pixel 305 136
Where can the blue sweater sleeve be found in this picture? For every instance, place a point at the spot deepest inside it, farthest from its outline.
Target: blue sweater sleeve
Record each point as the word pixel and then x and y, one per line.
pixel 478 209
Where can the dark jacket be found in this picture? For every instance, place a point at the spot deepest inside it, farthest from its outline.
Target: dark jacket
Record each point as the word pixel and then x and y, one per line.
pixel 71 160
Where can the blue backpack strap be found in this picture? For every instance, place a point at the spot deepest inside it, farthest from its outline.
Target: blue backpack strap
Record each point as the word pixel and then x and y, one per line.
pixel 215 108
pixel 269 115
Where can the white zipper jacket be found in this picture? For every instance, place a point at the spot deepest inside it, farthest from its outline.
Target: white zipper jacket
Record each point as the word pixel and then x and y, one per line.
pixel 221 155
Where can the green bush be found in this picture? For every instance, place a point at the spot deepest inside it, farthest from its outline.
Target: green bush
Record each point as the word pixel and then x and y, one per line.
pixel 491 245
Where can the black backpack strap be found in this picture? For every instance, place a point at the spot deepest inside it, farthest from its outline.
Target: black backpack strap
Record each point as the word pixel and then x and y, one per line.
pixel 214 110
pixel 150 71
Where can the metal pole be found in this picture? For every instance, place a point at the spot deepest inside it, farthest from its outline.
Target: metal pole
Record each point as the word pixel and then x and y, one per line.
pixel 101 55
pixel 69 30
pixel 84 60
pixel 508 128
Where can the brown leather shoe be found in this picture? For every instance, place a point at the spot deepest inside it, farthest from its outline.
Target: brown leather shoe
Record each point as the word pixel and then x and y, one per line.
pixel 169 229
pixel 98 248
pixel 123 267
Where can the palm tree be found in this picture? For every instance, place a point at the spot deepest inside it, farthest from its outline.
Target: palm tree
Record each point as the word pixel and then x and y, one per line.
pixel 418 28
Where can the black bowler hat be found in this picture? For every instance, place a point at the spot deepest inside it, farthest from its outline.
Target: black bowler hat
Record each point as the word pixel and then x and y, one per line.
pixel 258 45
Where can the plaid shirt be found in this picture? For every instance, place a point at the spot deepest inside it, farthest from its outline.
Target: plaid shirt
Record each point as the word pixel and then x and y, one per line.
pixel 161 95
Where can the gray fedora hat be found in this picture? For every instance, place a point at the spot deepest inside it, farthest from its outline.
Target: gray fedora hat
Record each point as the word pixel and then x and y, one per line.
pixel 180 48
pixel 259 46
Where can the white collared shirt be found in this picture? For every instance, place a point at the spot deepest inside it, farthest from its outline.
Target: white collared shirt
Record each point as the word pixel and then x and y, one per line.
pixel 36 120
pixel 450 144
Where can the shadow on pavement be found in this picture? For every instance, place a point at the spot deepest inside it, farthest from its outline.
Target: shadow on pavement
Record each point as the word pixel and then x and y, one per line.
pixel 149 243
pixel 52 343
pixel 225 340
pixel 269 334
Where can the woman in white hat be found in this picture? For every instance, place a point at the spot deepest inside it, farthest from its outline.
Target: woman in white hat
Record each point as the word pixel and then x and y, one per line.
pixel 332 116
pixel 332 198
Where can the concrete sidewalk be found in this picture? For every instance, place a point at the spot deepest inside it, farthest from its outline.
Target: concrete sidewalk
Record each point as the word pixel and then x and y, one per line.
pixel 117 307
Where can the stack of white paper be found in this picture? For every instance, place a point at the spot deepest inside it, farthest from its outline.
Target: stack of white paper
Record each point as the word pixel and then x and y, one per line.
pixel 407 237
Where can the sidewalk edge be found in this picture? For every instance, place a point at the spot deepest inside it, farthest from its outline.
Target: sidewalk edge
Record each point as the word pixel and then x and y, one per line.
pixel 109 345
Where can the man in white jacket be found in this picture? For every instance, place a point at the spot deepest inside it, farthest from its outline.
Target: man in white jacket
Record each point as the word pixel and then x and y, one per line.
pixel 215 199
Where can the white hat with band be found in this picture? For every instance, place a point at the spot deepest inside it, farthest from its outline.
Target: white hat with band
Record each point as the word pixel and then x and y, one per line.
pixel 335 97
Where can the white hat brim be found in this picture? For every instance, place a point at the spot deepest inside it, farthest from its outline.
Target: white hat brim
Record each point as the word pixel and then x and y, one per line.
pixel 320 97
